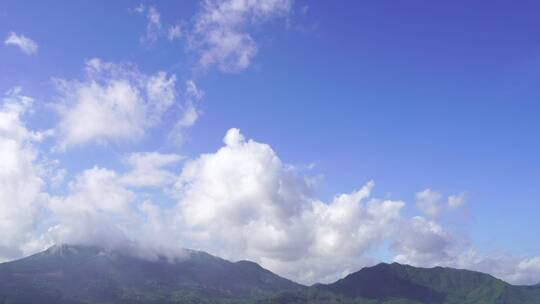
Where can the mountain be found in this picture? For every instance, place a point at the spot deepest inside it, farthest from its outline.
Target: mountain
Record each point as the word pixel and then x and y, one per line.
pixel 79 274
pixel 395 283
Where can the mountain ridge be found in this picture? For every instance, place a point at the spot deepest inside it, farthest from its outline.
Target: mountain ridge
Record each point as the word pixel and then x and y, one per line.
pixel 437 285
pixel 84 274
pixel 76 274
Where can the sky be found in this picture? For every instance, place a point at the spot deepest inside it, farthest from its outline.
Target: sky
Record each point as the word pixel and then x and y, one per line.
pixel 310 137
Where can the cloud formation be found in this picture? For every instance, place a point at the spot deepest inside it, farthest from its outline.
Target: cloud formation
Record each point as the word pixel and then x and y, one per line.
pixel 96 211
pixel 242 202
pixel 148 169
pixel 190 113
pixel 426 243
pixel 220 31
pixel 429 202
pixel 423 242
pixel 153 23
pixel 25 44
pixel 220 35
pixel 21 178
pixel 113 103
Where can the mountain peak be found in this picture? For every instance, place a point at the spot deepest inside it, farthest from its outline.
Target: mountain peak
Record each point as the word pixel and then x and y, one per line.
pixel 426 285
pixel 98 275
pixel 385 264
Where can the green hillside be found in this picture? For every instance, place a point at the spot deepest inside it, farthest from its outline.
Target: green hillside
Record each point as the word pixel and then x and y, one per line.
pixel 395 283
pixel 78 274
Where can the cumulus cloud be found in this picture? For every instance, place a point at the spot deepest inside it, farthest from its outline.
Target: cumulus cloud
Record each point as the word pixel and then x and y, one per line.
pixel 242 202
pixel 102 208
pixel 423 242
pixel 239 202
pixel 220 34
pixel 113 103
pixel 21 179
pixel 25 44
pixel 95 212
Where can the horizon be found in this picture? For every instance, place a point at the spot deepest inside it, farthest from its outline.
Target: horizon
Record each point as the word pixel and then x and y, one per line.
pixel 310 138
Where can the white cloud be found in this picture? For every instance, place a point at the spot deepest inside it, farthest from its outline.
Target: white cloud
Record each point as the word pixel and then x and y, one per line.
pixel 25 44
pixel 96 211
pixel 102 209
pixel 98 189
pixel 512 269
pixel 114 103
pixel 456 201
pixel 21 179
pixel 423 242
pixel 528 271
pixel 148 169
pixel 241 202
pixel 220 35
pixel 429 202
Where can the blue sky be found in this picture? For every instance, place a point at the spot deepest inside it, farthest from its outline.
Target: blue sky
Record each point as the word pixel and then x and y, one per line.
pixel 412 95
